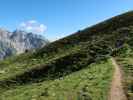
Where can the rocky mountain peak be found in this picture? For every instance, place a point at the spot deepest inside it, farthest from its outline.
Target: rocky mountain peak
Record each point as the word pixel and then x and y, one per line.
pixel 19 41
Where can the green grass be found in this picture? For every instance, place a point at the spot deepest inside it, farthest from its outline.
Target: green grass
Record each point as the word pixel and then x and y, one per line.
pixel 92 82
pixel 77 57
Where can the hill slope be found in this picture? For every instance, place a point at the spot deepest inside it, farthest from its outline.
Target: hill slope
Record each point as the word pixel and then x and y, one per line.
pixel 78 64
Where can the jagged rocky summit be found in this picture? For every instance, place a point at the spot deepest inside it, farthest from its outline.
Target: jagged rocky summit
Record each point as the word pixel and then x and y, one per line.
pixel 18 42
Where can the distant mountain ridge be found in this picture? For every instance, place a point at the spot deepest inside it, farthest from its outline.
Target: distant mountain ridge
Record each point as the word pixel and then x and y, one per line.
pixel 18 41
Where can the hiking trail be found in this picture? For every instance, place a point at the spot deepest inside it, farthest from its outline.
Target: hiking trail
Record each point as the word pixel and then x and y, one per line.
pixel 116 91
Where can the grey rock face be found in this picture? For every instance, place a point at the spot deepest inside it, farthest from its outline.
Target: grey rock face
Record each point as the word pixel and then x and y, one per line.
pixel 18 41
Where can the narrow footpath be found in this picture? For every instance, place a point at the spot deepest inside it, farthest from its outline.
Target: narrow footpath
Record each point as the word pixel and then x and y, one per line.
pixel 116 92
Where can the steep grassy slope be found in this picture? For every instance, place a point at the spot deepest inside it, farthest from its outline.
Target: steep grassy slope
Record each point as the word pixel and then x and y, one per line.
pixel 64 58
pixel 91 83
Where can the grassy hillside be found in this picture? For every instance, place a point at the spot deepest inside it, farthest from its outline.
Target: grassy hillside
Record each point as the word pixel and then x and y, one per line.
pixel 91 83
pixel 57 69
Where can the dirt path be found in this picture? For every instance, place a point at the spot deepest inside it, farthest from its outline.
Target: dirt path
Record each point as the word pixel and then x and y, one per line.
pixel 117 92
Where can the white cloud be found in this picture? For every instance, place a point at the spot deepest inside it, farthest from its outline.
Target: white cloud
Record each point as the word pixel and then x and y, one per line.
pixel 32 21
pixel 33 26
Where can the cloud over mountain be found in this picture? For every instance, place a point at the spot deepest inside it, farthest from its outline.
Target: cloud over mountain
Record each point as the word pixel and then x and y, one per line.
pixel 33 26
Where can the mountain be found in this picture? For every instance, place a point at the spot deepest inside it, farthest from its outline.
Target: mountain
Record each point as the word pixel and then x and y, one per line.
pixel 18 41
pixel 77 67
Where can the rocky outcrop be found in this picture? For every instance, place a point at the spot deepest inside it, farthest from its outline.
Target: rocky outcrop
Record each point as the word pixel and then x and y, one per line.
pixel 18 41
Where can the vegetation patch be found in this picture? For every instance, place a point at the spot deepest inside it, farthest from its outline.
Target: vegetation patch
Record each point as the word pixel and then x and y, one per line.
pixel 91 83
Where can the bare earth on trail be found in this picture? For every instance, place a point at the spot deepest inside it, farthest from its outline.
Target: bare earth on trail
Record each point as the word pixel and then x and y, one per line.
pixel 117 92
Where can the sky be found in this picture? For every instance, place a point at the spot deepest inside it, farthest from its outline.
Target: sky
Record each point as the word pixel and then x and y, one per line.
pixel 58 18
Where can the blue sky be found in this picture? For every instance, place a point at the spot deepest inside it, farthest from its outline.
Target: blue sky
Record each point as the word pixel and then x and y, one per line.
pixel 59 18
